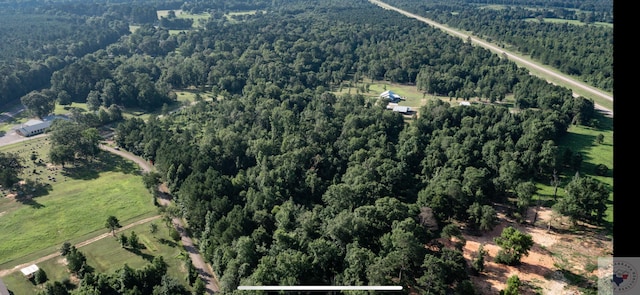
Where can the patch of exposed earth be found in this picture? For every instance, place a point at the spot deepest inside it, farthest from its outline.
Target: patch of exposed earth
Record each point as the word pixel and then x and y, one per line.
pixel 552 253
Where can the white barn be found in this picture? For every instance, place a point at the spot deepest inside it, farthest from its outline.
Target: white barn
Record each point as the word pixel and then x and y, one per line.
pixel 33 127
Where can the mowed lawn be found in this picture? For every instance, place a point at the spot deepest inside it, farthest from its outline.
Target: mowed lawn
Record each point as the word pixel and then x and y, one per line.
pixel 76 205
pixel 107 256
pixel 582 140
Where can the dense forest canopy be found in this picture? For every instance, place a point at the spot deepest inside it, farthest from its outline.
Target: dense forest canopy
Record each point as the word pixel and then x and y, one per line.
pixel 283 181
pixel 36 44
pixel 287 183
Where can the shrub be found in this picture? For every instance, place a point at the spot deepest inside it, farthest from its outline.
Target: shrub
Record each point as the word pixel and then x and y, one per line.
pixel 175 235
pixel 40 276
pixel 602 170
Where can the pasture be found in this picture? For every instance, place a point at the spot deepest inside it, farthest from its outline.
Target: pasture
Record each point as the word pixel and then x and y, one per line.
pixel 56 205
pixel 107 256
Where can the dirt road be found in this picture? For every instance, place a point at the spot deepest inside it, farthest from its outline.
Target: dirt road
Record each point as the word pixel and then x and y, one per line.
pixel 204 269
pixel 511 56
pixel 144 165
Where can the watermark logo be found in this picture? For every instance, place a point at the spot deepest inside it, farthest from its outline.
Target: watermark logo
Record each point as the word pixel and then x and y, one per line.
pixel 618 275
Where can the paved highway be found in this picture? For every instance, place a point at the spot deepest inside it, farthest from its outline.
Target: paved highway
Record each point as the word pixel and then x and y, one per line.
pixel 496 49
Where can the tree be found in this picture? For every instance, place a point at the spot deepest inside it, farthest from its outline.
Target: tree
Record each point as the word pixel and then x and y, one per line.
pixel 602 169
pixel 10 168
pixel 38 103
pixel 585 199
pixel 124 241
pixel 55 288
pixel 134 242
pixel 200 287
pixel 40 276
pixel 112 224
pixel 477 265
pixel 153 228
pixel 482 218
pixel 65 248
pixel 524 192
pixel 513 286
pixel 64 98
pixel 514 245
pixel 169 286
pixel 70 140
pixel 76 261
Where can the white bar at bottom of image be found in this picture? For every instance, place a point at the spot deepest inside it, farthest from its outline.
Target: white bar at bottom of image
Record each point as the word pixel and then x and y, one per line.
pixel 319 288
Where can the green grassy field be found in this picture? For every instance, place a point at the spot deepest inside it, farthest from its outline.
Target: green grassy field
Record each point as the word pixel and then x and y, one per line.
pixel 412 96
pixel 66 203
pixel 107 256
pixel 569 21
pixel 235 16
pixel 581 139
pixel 17 119
pixel 197 18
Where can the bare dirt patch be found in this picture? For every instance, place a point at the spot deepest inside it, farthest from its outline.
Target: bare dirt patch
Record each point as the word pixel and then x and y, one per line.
pixel 555 250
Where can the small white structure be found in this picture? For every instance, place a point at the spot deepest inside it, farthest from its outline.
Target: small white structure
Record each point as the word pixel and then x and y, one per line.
pixel 391 96
pixel 29 270
pixel 465 103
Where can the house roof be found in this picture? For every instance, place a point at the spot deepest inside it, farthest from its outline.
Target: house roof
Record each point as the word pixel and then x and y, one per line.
pixel 390 94
pixel 401 109
pixel 29 270
pixel 26 129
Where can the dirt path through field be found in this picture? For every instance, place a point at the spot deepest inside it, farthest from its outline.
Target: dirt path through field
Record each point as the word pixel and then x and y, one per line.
pixel 204 269
pixel 6 272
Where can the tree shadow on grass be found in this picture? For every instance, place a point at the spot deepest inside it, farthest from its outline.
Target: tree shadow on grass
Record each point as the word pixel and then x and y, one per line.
pixel 145 256
pixel 90 169
pixel 578 280
pixel 30 190
pixel 169 243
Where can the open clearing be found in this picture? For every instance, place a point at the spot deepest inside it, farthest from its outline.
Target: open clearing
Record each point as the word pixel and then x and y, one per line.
pixel 560 262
